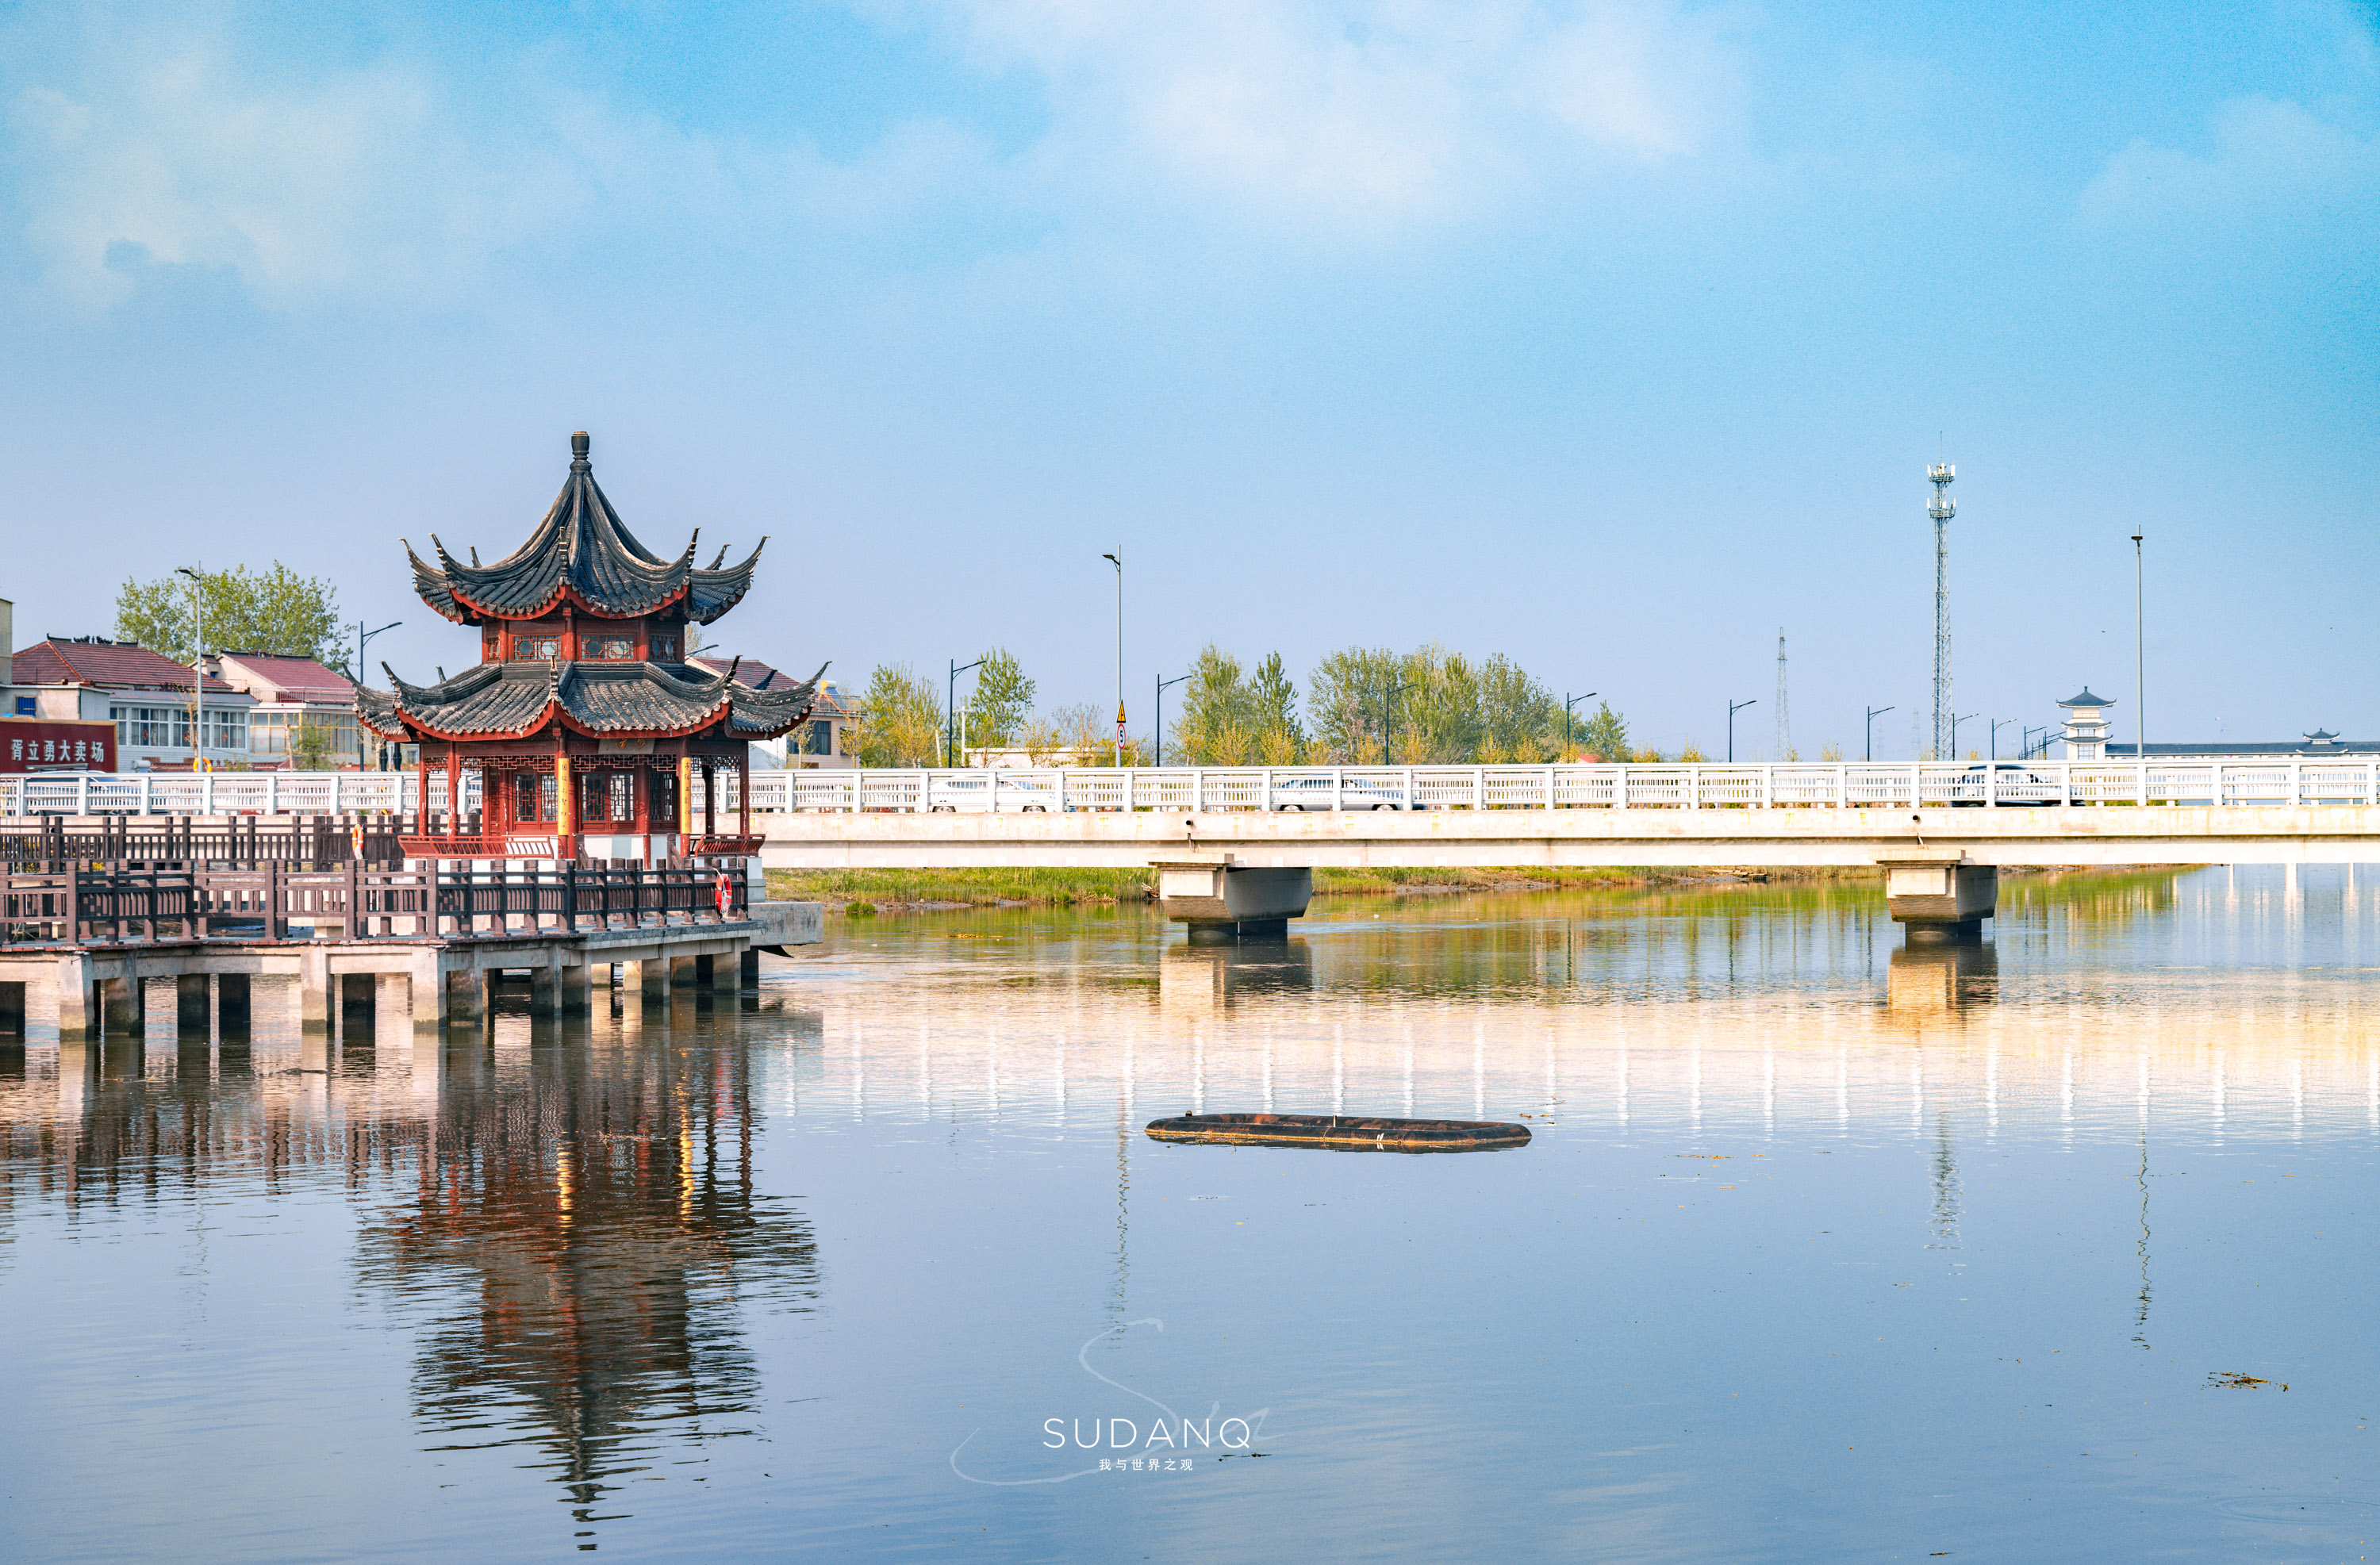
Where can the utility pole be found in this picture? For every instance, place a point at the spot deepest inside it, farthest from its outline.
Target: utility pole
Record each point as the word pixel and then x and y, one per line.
pixel 1941 509
pixel 363 638
pixel 1998 723
pixel 1784 723
pixel 1873 713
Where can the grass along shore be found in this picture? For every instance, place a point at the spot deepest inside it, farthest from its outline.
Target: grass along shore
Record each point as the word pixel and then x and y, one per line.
pixel 862 892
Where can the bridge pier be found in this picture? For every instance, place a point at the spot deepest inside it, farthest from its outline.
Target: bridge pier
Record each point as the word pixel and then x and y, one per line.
pixel 1222 902
pixel 1938 896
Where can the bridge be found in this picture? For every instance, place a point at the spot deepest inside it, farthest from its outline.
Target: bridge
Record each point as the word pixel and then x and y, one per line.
pixel 1235 848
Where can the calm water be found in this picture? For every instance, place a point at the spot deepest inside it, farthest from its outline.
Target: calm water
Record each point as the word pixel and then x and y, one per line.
pixel 1821 1251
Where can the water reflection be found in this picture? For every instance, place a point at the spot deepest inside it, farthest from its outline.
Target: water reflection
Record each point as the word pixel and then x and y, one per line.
pixel 587 1234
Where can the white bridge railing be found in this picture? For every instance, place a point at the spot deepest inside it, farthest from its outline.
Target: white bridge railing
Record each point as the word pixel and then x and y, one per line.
pixel 1777 786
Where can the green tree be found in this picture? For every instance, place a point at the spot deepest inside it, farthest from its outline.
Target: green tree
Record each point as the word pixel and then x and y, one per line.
pixel 314 747
pixel 1273 700
pixel 1003 699
pixel 1606 735
pixel 239 611
pixel 899 720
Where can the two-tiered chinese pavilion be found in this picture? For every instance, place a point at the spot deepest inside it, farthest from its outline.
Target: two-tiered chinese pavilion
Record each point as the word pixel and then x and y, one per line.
pixel 592 737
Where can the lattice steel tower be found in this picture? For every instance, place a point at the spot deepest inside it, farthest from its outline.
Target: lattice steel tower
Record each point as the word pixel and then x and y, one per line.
pixel 1940 508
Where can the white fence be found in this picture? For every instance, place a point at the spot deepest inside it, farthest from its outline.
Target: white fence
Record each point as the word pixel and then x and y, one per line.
pixel 1781 786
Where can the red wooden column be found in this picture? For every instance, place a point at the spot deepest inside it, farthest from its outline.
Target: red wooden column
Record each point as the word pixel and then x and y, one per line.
pixel 454 792
pixel 710 799
pixel 743 794
pixel 421 765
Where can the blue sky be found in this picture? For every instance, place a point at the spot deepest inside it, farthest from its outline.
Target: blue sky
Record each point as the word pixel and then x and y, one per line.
pixel 1612 336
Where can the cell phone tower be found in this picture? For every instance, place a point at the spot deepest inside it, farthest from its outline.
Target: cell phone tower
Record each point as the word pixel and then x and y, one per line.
pixel 1784 751
pixel 1940 508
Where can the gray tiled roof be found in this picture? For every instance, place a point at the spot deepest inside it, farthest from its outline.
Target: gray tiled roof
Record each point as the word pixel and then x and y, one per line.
pixel 510 699
pixel 582 546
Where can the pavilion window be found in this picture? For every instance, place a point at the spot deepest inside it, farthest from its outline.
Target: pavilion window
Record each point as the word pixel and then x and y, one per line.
pixel 663 801
pixel 665 649
pixel 536 648
pixel 608 649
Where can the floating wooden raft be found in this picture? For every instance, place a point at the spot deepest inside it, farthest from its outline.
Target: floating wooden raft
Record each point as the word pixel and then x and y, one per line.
pixel 1343 1134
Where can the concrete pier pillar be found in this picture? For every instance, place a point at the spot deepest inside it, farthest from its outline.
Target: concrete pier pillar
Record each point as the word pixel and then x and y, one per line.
pixel 426 999
pixel 12 1013
pixel 573 990
pixel 1938 896
pixel 719 974
pixel 681 972
pixel 78 1013
pixel 1222 902
pixel 464 997
pixel 232 1010
pixel 313 989
pixel 543 991
pixel 649 979
pixel 194 1006
pixel 747 967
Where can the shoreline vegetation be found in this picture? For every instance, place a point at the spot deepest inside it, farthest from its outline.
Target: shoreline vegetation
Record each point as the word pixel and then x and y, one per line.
pixel 863 892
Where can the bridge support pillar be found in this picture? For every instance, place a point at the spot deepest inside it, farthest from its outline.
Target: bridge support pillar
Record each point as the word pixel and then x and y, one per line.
pixel 193 1007
pixel 1938 896
pixel 1222 902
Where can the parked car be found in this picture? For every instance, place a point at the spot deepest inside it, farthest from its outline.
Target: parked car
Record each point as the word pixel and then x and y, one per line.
pixel 1351 792
pixel 2011 782
pixel 973 793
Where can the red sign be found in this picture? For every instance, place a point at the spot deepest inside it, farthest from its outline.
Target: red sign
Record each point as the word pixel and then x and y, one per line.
pixel 34 744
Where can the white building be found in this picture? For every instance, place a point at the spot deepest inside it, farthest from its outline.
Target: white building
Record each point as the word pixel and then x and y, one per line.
pixel 146 695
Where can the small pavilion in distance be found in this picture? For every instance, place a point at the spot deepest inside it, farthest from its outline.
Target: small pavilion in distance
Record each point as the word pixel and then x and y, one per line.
pixel 592 735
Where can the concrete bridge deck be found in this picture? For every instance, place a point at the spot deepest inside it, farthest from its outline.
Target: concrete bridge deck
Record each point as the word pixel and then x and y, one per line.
pixel 1567 837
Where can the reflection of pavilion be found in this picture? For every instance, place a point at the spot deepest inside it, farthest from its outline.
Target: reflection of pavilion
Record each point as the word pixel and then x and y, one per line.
pixel 603 1214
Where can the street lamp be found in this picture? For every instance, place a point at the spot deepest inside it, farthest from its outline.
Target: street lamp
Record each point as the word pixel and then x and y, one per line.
pixel 1998 723
pixel 1116 560
pixel 1873 713
pixel 363 638
pixel 1567 702
pixel 951 705
pixel 1162 684
pixel 197 663
pixel 1733 708
pixel 2139 692
pixel 1954 733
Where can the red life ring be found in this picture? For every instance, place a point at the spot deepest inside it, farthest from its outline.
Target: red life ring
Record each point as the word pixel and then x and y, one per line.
pixel 726 892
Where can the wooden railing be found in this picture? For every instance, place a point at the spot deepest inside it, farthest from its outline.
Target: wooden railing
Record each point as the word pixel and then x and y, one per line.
pixel 270 902
pixel 317 839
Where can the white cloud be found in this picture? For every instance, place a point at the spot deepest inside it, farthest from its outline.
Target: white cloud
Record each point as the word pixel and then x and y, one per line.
pixel 1378 112
pixel 2268 154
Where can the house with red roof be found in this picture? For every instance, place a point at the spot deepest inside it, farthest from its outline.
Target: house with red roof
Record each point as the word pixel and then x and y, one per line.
pixel 147 697
pixel 293 697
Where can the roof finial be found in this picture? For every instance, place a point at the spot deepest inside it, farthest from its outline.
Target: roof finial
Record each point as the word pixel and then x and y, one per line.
pixel 578 463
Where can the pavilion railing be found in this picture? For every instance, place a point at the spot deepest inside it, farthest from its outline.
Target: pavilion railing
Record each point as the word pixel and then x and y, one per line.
pixel 113 903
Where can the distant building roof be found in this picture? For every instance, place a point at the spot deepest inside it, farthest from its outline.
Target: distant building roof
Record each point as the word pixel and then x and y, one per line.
pixel 105 665
pixel 2086 700
pixel 271 678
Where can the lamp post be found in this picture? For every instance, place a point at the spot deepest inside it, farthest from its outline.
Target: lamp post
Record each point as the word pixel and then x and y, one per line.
pixel 1116 560
pixel 1733 708
pixel 951 705
pixel 1567 702
pixel 1162 684
pixel 1954 732
pixel 1873 713
pixel 1998 723
pixel 2140 691
pixel 198 663
pixel 363 638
